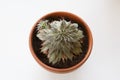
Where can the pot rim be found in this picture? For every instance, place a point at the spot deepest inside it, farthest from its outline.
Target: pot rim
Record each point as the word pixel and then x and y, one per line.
pixel 63 70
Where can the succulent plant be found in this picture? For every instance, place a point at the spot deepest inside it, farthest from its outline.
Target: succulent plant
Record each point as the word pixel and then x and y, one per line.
pixel 61 40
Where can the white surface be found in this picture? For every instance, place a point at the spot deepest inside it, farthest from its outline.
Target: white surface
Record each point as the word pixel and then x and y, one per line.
pixel 17 18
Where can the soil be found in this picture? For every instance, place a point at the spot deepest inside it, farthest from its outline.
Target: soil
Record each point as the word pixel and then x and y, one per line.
pixel 36 43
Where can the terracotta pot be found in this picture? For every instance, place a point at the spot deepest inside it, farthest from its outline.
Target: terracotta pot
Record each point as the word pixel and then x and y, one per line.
pixel 72 17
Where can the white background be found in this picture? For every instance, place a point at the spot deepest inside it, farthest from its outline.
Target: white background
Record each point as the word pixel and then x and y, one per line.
pixel 17 18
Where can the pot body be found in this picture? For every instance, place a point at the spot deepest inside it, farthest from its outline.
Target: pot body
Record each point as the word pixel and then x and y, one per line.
pixel 72 17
